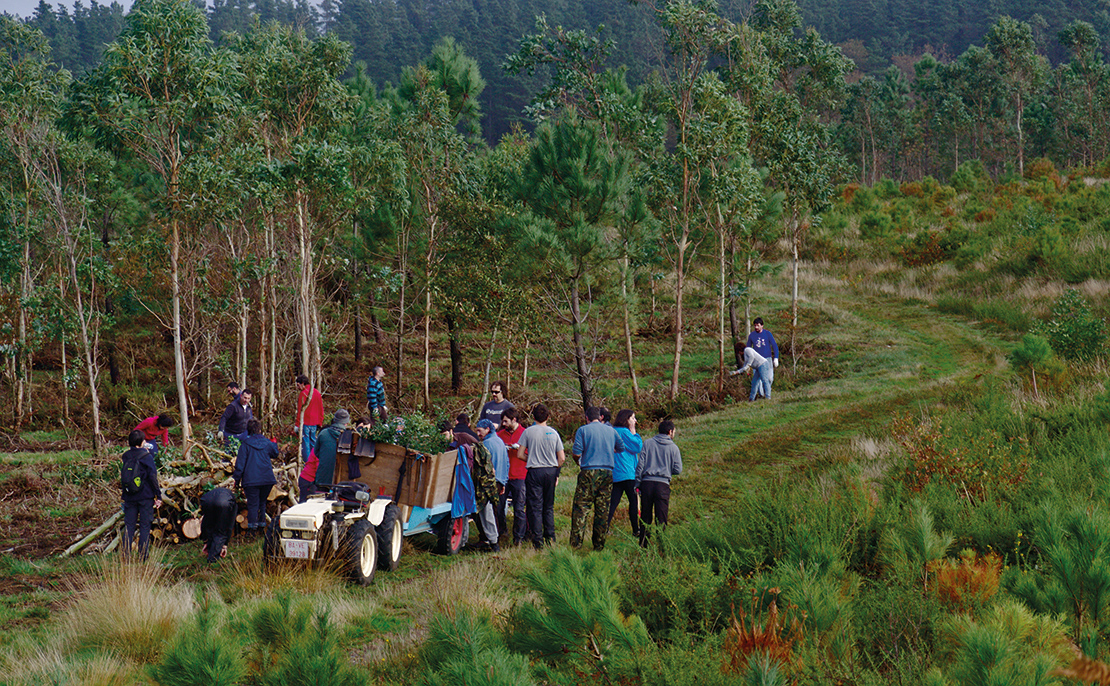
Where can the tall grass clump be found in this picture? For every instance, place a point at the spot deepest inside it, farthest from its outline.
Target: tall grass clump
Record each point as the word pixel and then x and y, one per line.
pixel 132 611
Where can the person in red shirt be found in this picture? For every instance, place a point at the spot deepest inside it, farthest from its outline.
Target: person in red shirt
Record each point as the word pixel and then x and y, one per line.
pixel 155 431
pixel 510 432
pixel 310 415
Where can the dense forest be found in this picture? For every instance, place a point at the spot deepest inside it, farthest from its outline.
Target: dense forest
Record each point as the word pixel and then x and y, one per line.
pixel 264 207
pixel 875 35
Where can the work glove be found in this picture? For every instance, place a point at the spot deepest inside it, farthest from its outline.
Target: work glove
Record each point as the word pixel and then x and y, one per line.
pixel 219 435
pixel 776 362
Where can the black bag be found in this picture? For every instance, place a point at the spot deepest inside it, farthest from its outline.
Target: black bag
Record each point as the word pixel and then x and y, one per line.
pixel 130 476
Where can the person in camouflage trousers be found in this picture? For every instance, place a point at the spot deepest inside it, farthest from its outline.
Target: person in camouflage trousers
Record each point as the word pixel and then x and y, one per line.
pixel 486 494
pixel 595 443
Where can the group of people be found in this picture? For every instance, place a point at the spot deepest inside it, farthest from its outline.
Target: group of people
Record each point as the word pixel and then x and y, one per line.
pixel 515 464
pixel 614 462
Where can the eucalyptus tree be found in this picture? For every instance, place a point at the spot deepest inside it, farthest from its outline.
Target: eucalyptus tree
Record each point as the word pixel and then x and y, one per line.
pixel 1083 94
pixel 30 88
pixel 292 90
pixel 1021 72
pixel 792 84
pixel 570 185
pixel 431 103
pixel 160 92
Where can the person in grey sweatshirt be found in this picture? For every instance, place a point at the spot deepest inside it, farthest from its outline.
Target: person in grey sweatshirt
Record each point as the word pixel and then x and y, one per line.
pixel 658 462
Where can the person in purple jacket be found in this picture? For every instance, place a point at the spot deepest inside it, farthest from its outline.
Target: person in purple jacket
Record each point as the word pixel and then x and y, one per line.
pixel 624 469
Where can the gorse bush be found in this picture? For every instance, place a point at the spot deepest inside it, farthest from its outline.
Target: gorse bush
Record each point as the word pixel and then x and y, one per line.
pixel 1073 331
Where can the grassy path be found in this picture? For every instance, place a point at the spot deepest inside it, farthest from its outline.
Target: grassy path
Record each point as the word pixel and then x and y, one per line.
pixel 888 356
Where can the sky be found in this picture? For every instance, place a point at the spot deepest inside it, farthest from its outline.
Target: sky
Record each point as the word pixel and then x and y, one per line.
pixel 25 8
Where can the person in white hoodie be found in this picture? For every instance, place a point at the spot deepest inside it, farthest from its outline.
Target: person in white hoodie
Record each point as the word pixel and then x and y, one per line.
pixel 763 373
pixel 658 462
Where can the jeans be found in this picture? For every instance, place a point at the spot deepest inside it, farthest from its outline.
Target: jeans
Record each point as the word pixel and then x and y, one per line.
pixel 139 513
pixel 256 505
pixel 541 504
pixel 626 488
pixel 762 376
pixel 655 502
pixel 514 488
pixel 308 441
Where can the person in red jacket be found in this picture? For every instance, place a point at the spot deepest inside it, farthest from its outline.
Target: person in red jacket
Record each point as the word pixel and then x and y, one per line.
pixel 510 432
pixel 310 415
pixel 155 432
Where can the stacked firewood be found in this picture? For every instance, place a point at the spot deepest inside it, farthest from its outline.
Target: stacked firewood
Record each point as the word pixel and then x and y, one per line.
pixel 183 483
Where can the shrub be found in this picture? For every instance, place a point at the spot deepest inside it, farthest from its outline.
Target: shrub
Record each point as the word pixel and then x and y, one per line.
pixel 1010 645
pixel 201 655
pixel 971 177
pixel 314 658
pixel 966 584
pixel 875 226
pixel 672 594
pixel 1075 557
pixel 1074 332
pixel 464 648
pixel 579 623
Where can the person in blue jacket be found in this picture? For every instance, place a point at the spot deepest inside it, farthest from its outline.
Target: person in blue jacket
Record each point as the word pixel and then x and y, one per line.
pixel 763 342
pixel 624 469
pixel 254 469
pixel 139 507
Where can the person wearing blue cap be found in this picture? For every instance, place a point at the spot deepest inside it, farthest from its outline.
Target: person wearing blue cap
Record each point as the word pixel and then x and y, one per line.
pixel 499 455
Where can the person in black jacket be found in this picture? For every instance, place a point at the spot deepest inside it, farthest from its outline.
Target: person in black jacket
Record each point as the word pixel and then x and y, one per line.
pixel 138 508
pixel 254 468
pixel 217 512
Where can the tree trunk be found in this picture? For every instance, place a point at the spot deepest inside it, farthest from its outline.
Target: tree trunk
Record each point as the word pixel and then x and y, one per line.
pixel 178 352
pixel 733 324
pixel 680 284
pixel 456 354
pixel 23 358
pixel 358 332
pixel 524 372
pixel 629 359
pixel 585 383
pixel 720 303
pixel 794 240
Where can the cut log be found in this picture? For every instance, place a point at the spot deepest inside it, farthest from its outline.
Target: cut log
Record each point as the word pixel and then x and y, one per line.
pixel 93 535
pixel 191 528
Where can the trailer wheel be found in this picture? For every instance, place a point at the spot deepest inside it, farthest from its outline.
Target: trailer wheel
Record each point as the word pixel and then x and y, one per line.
pixel 360 551
pixel 451 532
pixel 390 539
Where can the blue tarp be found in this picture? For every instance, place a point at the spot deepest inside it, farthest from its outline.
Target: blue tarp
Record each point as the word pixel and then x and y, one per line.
pixel 463 502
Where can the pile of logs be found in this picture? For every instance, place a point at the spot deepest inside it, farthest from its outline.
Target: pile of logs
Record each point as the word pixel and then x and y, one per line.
pixel 183 483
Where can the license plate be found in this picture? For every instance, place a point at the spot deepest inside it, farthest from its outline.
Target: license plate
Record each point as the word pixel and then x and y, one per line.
pixel 296 550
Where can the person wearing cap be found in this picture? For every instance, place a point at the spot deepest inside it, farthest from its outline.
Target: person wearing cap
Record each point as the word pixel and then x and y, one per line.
pixel 327 446
pixel 499 454
pixel 495 407
pixel 486 486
